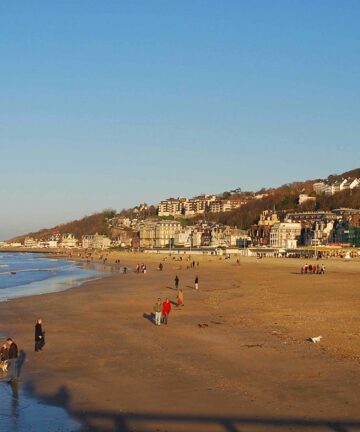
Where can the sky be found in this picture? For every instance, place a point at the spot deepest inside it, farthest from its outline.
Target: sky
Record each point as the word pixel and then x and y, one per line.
pixel 106 104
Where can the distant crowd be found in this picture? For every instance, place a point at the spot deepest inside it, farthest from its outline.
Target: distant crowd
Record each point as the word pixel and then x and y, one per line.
pixel 313 269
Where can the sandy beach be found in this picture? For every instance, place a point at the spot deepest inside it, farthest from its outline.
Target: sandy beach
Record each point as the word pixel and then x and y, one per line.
pixel 235 358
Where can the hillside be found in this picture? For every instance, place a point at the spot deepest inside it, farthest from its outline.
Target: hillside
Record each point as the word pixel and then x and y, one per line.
pixel 95 223
pixel 283 199
pixel 283 202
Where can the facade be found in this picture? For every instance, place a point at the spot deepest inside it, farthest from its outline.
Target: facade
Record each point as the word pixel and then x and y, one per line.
pixel 336 186
pixel 172 207
pixel 68 241
pixel 303 198
pixel 159 234
pixel 285 235
pixel 198 205
pixel 260 233
pixel 30 242
pixel 312 217
pixel 319 187
pixel 95 241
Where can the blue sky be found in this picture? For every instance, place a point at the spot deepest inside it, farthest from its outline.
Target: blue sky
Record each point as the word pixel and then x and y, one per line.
pixel 111 103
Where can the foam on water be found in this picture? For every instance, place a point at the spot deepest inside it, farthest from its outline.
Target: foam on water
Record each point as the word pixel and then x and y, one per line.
pixel 33 274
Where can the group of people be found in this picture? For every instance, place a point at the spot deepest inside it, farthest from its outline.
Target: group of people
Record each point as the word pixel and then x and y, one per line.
pixel 141 268
pixel 8 359
pixel 313 269
pixel 9 352
pixel 162 309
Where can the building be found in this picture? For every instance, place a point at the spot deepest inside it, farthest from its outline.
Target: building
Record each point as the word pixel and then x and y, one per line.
pixel 319 187
pixel 172 207
pixel 95 241
pixel 30 242
pixel 68 241
pixel 260 233
pixel 165 232
pixel 354 184
pixel 285 235
pixel 312 217
pixel 159 234
pixel 303 198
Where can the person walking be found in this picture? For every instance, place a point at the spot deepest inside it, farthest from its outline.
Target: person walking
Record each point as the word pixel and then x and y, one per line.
pixel 177 280
pixel 12 359
pixel 158 308
pixel 39 336
pixel 166 309
pixel 197 282
pixel 180 297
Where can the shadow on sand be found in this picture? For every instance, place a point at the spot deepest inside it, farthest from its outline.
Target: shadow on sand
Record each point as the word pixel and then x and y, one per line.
pixel 150 317
pixel 106 421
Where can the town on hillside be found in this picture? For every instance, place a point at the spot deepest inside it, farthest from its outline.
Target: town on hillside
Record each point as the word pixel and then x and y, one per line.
pixel 180 224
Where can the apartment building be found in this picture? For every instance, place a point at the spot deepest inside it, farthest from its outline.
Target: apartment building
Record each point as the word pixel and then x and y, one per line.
pixel 285 235
pixel 95 241
pixel 159 234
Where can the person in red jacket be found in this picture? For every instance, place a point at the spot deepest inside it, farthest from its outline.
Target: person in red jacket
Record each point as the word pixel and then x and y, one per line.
pixel 166 309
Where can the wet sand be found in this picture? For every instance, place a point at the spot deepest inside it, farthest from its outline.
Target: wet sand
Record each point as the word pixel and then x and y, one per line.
pixel 234 358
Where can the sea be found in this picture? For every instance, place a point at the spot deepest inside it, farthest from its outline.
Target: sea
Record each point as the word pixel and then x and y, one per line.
pixel 27 274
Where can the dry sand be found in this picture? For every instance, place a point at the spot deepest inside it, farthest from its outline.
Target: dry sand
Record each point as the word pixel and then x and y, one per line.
pixel 247 367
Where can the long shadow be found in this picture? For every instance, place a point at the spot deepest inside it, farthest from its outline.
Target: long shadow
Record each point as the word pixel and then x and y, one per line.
pixel 171 288
pixel 20 361
pixel 105 421
pixel 150 317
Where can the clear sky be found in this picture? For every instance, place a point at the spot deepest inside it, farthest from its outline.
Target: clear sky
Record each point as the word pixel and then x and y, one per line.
pixel 111 103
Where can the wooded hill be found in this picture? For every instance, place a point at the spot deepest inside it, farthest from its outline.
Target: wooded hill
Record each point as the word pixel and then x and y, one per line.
pixel 283 199
pixel 95 223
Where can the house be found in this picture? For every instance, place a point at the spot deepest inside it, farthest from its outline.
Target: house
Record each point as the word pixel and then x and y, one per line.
pixel 172 207
pixel 30 242
pixel 159 234
pixel 303 198
pixel 68 241
pixel 285 235
pixel 354 184
pixel 332 189
pixel 260 232
pixel 319 187
pixel 96 241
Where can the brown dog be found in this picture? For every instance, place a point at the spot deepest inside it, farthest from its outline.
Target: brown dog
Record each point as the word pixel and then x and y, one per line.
pixel 4 366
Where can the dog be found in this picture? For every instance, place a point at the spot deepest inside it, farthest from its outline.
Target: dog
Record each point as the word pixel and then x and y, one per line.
pixel 315 339
pixel 4 366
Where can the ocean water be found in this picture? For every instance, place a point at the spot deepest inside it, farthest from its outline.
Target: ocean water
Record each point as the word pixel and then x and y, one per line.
pixel 25 274
pixel 20 412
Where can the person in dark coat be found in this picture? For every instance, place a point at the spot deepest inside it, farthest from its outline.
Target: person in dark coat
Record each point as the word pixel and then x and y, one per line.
pixel 39 336
pixel 177 282
pixel 12 359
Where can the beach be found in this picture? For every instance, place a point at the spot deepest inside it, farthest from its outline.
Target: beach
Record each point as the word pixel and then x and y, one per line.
pixel 235 357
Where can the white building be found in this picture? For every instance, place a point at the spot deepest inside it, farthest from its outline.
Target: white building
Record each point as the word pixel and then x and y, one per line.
pixel 303 198
pixel 332 189
pixel 354 184
pixel 285 235
pixel 319 187
pixel 30 242
pixel 96 241
pixel 160 234
pixel 68 241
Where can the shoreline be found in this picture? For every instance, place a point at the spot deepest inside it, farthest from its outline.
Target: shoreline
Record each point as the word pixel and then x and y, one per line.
pixel 114 369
